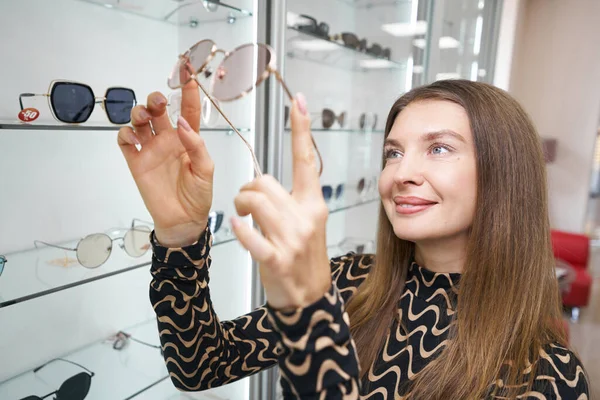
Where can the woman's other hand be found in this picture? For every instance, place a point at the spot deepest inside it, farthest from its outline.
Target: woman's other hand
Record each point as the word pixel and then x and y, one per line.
pixel 291 248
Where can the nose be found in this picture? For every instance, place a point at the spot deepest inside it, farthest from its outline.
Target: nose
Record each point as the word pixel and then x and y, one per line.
pixel 409 172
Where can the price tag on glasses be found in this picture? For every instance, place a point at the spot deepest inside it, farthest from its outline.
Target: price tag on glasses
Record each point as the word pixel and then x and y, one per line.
pixel 29 114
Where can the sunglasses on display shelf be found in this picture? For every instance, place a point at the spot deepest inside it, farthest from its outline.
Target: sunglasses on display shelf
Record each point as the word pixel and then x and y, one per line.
pixel 3 261
pixel 306 23
pixel 74 388
pixel 94 249
pixel 234 78
pixel 73 102
pixel 349 40
pixel 328 192
pixel 367 120
pixel 366 186
pixel 121 339
pixel 327 117
pixel 378 51
pixel 210 117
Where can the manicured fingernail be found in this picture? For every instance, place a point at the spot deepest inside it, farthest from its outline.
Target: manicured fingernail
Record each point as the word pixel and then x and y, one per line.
pixel 301 100
pixel 159 101
pixel 145 114
pixel 184 124
pixel 134 138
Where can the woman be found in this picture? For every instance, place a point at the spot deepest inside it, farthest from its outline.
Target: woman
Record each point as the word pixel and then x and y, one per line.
pixel 460 301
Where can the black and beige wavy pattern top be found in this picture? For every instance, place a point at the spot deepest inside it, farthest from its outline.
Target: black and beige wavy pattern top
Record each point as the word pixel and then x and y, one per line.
pixel 312 346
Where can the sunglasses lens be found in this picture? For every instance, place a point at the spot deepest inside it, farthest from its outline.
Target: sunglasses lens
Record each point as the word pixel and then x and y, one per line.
pixel 328 118
pixel 210 115
pixel 361 185
pixel 215 220
pixel 350 40
pixel 75 388
pixel 72 102
pixel 190 63
pixel 32 398
pixel 339 191
pixel 94 250
pixel 118 103
pixel 137 241
pixel 327 192
pixel 1 265
pixel 234 77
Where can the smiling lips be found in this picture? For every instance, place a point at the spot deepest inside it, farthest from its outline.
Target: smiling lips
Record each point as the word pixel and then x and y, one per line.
pixel 412 205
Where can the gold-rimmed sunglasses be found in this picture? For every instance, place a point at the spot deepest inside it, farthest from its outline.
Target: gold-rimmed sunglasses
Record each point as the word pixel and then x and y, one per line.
pixel 232 79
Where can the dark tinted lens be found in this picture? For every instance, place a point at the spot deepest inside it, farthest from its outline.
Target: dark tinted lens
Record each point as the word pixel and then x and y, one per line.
pixel 350 40
pixel 361 185
pixel 339 191
pixel 72 102
pixel 327 192
pixel 75 388
pixel 32 398
pixel 362 45
pixel 2 261
pixel 328 118
pixel 118 103
pixel 323 29
pixel 286 115
pixel 307 24
pixel 215 220
pixel 375 49
pixel 386 53
pixel 361 122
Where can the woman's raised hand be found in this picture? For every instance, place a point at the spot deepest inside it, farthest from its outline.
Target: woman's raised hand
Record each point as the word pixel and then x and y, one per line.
pixel 291 247
pixel 173 171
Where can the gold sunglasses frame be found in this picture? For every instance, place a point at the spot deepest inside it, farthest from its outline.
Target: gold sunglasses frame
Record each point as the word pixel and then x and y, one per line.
pixel 270 69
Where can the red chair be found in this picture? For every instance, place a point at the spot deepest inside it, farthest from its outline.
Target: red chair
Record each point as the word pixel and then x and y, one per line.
pixel 574 249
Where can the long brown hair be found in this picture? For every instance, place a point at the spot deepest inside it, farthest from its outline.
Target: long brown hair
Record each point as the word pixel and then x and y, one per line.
pixel 508 303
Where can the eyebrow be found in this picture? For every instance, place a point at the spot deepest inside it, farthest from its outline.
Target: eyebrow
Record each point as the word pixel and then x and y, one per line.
pixel 431 136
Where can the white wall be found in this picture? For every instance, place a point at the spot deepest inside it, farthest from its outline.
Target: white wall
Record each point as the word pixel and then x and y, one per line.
pixel 556 77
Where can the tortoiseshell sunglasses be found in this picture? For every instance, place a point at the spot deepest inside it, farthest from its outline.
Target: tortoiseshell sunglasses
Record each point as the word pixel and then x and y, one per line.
pixel 233 79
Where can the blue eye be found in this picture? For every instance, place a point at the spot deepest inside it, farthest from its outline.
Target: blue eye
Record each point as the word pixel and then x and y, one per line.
pixel 391 153
pixel 439 147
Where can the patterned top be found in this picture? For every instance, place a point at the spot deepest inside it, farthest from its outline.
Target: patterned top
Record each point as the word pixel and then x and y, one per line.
pixel 312 346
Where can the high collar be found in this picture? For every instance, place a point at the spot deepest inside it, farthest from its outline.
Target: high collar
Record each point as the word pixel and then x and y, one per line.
pixel 432 286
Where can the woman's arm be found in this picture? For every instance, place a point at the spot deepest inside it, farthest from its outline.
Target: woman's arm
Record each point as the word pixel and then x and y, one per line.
pixel 200 351
pixel 319 358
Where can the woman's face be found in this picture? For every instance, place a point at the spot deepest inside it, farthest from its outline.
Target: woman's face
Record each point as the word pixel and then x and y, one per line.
pixel 428 184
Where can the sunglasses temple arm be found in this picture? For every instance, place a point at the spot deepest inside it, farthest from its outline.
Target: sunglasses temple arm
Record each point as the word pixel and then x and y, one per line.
pixel 287 91
pixel 27 95
pixel 254 160
pixel 36 242
pixel 62 359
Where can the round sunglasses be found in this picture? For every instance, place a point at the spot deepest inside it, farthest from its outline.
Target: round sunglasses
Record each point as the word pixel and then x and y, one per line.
pixel 235 76
pixel 93 250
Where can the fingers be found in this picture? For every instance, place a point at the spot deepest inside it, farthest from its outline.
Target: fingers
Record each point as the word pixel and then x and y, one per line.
pixel 157 107
pixel 266 215
pixel 127 141
pixel 140 119
pixel 260 248
pixel 195 147
pixel 268 185
pixel 190 104
pixel 305 173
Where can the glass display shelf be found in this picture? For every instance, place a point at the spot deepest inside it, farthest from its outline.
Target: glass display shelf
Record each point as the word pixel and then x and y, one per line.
pixel 45 270
pixel 15 125
pixel 180 13
pixel 118 374
pixel 310 47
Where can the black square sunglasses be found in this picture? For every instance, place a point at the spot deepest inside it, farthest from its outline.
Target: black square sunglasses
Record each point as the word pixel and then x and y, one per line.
pixel 73 102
